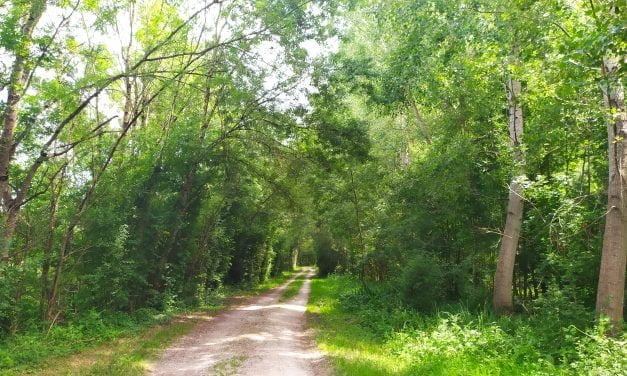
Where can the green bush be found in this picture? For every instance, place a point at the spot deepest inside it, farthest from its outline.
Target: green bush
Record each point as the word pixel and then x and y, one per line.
pixel 422 282
pixel 556 317
pixel 598 354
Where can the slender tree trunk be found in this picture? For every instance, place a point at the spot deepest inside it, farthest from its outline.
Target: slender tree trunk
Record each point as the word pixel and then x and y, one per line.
pixel 45 266
pixel 421 121
pixel 17 80
pixel 49 246
pixel 294 258
pixel 360 233
pixel 611 289
pixel 526 285
pixel 503 279
pixel 20 261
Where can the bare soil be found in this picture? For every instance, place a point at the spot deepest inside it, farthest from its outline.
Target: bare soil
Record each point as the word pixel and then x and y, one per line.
pixel 260 337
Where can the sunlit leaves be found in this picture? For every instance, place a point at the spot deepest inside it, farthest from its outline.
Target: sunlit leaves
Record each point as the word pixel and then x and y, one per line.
pixel 158 18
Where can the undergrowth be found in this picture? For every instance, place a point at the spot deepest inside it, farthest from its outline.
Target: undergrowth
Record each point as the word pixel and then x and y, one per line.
pixel 373 334
pixel 26 350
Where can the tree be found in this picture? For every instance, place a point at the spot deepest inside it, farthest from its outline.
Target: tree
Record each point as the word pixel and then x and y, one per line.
pixel 611 289
pixel 503 295
pixel 20 73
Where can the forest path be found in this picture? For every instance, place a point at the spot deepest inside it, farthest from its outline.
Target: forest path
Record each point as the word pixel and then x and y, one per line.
pixel 261 337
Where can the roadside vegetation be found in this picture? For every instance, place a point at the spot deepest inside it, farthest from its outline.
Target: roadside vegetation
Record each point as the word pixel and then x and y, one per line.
pixel 373 334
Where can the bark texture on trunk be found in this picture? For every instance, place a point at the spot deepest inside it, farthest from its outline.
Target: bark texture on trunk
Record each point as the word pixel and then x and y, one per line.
pixel 15 88
pixel 611 289
pixel 503 279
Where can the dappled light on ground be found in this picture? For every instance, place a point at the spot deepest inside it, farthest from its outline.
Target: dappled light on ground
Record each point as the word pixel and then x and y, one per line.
pixel 291 307
pixel 260 337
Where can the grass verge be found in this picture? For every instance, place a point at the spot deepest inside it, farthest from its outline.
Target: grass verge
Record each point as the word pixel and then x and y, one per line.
pixel 369 336
pixel 112 344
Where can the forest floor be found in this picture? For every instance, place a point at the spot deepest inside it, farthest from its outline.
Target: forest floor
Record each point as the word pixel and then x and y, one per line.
pixel 266 335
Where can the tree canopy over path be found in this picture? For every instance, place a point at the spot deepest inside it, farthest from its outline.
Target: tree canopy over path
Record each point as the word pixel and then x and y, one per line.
pixel 443 151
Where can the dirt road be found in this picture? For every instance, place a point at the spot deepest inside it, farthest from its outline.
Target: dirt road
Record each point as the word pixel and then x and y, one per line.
pixel 261 337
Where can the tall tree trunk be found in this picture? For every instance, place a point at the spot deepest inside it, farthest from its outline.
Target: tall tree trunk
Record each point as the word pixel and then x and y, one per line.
pixel 360 233
pixel 503 279
pixel 611 289
pixel 55 193
pixel 17 80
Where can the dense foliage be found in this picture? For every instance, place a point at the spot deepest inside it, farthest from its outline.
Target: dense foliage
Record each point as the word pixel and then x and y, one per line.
pixel 155 154
pixel 426 207
pixel 153 151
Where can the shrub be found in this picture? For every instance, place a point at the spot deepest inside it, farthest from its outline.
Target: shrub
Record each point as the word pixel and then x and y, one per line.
pixel 422 282
pixel 600 355
pixel 556 319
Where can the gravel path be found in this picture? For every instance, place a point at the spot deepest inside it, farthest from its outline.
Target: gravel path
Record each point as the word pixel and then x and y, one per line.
pixel 261 337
